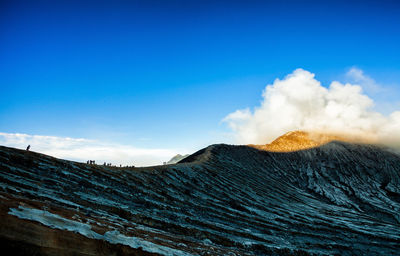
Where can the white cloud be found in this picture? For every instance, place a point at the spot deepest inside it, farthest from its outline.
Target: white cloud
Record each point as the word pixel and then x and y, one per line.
pixel 300 102
pixel 357 76
pixel 84 149
pixel 386 97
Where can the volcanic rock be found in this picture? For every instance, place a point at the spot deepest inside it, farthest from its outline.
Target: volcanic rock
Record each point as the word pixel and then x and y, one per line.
pixel 334 199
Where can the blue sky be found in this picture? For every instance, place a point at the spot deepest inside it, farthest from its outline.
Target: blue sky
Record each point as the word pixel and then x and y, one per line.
pixel 164 74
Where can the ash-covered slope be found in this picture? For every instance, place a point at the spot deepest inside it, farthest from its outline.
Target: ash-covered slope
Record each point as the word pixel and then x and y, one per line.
pixel 339 198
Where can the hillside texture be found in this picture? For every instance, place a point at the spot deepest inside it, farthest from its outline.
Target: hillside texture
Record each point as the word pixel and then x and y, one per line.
pixel 339 198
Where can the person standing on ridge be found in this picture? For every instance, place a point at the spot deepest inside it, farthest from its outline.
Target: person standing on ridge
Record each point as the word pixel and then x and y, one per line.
pixel 28 147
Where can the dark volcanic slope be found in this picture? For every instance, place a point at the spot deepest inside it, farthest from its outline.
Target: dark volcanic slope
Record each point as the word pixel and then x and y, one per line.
pixel 224 200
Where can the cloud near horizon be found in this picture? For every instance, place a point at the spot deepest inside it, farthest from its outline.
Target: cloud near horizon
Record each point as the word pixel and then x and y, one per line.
pixel 83 149
pixel 300 102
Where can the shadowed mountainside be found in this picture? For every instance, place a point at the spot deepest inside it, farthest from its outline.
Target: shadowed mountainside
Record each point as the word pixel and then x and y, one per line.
pixel 339 198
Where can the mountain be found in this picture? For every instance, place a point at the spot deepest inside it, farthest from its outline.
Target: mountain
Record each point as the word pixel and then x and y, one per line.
pixel 176 159
pixel 300 140
pixel 338 198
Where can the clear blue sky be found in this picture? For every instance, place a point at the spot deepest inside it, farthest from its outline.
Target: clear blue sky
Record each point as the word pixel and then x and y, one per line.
pixel 165 73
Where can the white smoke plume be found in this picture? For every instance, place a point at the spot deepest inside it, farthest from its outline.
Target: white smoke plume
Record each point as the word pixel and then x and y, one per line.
pixel 300 102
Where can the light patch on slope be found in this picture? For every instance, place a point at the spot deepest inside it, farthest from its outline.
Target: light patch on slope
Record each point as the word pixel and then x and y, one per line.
pixel 79 149
pixel 114 236
pixel 53 221
pixel 300 102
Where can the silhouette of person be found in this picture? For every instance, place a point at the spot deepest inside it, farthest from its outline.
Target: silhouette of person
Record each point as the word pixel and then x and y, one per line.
pixel 28 147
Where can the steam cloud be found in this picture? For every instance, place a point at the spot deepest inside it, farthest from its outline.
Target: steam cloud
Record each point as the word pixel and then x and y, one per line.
pixel 300 102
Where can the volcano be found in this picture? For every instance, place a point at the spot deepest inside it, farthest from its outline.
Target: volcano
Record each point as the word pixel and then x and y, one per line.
pixel 329 198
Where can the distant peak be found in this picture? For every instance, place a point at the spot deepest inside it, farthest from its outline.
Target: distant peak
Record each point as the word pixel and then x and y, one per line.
pixel 299 140
pixel 177 158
